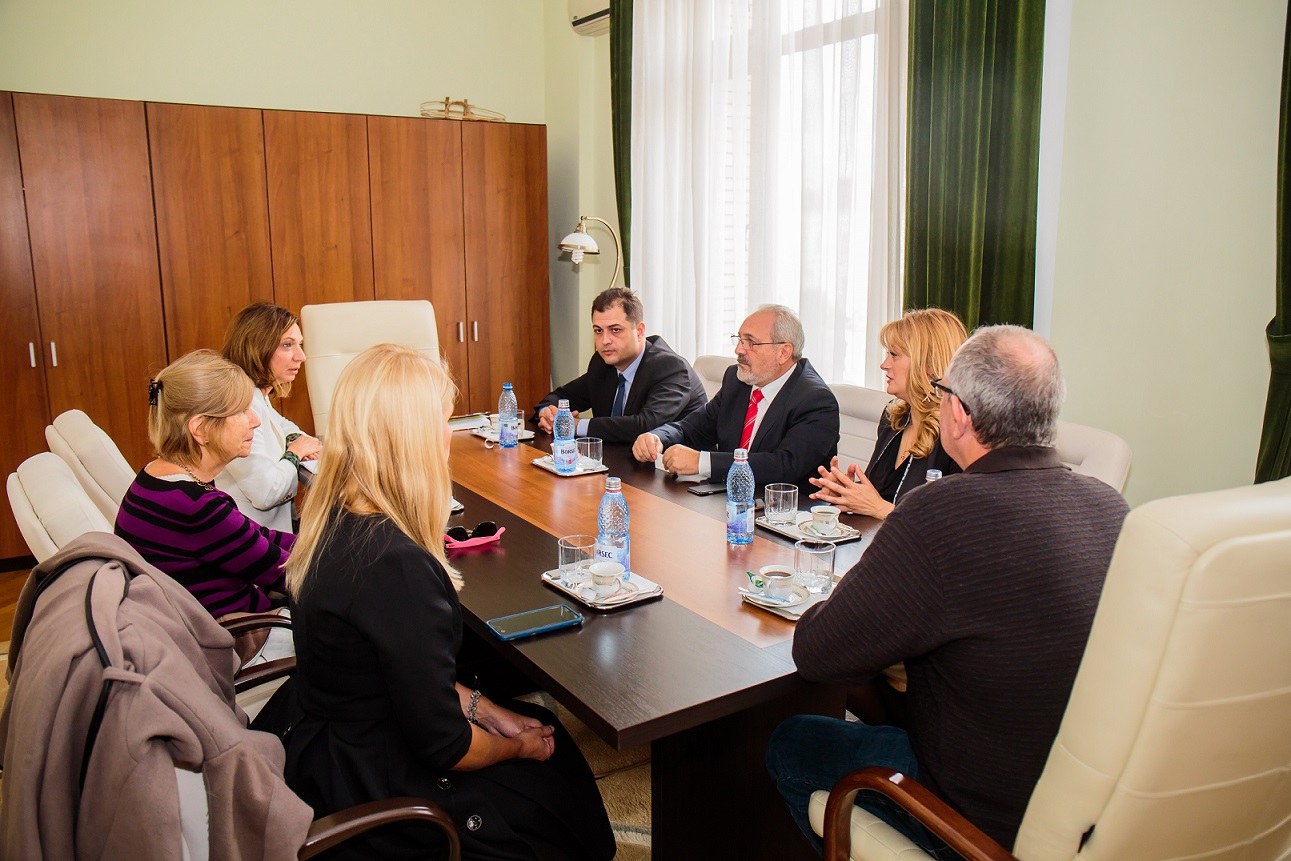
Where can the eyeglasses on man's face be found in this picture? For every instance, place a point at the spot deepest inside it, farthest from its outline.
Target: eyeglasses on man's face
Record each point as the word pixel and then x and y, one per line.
pixel 748 343
pixel 942 390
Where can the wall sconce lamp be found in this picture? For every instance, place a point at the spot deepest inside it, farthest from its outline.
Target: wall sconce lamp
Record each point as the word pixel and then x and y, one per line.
pixel 580 242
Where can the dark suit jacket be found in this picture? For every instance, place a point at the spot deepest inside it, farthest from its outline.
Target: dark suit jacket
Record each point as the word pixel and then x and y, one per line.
pixel 798 433
pixel 666 388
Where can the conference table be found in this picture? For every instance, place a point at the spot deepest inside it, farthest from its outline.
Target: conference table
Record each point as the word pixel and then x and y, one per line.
pixel 699 675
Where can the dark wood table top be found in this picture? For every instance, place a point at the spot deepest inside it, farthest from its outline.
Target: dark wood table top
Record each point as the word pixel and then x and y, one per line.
pixel 642 672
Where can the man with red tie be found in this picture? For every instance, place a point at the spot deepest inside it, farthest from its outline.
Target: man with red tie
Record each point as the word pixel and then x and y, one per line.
pixel 772 402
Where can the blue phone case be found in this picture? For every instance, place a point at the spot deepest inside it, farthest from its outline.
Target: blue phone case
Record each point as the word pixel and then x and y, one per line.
pixel 527 630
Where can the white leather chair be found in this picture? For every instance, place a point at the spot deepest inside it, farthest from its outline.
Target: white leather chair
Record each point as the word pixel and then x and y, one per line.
pixel 1175 743
pixel 94 458
pixel 337 332
pixel 711 369
pixel 1095 452
pixel 50 505
pixel 860 411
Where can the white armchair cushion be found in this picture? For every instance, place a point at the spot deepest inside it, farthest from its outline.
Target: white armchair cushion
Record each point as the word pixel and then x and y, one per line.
pixel 337 332
pixel 94 458
pixel 1094 452
pixel 860 411
pixel 50 505
pixel 711 369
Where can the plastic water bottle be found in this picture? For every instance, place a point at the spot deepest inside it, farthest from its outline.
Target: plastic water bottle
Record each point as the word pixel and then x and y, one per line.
pixel 612 542
pixel 933 475
pixel 508 418
pixel 739 500
pixel 564 451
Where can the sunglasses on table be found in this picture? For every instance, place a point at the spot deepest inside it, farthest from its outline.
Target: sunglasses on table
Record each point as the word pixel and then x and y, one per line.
pixel 459 537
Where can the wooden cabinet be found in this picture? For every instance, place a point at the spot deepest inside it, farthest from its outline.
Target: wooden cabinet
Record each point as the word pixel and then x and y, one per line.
pixel 319 216
pixel 505 199
pixel 22 433
pixel 131 233
pixel 208 174
pixel 94 256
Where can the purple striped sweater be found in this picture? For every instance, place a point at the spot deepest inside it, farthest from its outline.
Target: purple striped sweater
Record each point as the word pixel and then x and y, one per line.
pixel 200 539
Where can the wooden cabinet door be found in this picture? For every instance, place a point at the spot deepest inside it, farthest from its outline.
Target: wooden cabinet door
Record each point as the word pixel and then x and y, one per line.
pixel 505 199
pixel 212 218
pixel 320 223
pixel 94 256
pixel 417 225
pixel 22 433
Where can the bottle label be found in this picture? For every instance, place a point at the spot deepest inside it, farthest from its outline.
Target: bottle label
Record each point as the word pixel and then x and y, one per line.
pixel 564 454
pixel 739 522
pixel 508 432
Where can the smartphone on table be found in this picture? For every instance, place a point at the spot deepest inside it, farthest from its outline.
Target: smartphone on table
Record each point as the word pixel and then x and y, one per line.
pixel 531 622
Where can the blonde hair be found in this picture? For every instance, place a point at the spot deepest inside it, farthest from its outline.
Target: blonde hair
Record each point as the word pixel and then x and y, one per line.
pixel 930 337
pixel 386 452
pixel 253 337
pixel 198 384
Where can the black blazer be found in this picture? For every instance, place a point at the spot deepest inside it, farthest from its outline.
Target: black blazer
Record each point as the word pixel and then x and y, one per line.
pixel 894 483
pixel 666 388
pixel 798 433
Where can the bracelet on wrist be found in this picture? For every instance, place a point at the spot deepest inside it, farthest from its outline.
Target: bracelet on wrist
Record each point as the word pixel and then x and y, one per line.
pixel 292 437
pixel 472 706
pixel 292 458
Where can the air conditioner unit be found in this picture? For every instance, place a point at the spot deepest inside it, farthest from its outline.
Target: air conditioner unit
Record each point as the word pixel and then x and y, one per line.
pixel 589 17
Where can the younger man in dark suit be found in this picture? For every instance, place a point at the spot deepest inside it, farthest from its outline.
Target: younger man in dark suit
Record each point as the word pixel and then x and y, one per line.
pixel 633 383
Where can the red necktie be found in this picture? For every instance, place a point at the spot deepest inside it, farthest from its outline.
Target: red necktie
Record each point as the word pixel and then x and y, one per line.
pixel 750 418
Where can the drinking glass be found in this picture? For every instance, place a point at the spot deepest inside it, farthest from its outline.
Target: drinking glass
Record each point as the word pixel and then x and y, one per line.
pixel 576 554
pixel 814 564
pixel 782 503
pixel 589 452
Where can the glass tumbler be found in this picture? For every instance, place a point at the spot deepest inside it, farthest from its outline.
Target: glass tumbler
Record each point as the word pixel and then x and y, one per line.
pixel 814 565
pixel 781 503
pixel 576 555
pixel 589 452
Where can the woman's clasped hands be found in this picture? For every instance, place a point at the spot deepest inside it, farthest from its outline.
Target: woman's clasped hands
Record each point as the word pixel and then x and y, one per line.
pixel 850 490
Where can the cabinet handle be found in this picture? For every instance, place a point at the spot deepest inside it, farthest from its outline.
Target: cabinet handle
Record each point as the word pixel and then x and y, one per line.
pixel 461 333
pixel 53 353
pixel 31 351
pixel 475 329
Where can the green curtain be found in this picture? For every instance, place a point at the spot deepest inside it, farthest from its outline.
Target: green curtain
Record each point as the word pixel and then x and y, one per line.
pixel 1274 459
pixel 621 118
pixel 972 151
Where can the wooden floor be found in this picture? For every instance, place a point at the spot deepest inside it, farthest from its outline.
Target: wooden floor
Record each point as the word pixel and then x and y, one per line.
pixel 10 585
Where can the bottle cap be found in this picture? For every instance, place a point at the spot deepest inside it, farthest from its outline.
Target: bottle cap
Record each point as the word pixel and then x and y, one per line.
pixel 562 404
pixel 612 483
pixel 741 454
pixel 506 385
pixel 933 475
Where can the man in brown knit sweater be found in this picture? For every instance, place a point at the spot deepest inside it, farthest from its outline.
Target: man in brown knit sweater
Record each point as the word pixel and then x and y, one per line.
pixel 985 585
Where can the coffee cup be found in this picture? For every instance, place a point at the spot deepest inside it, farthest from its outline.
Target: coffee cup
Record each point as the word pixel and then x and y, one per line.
pixel 776 580
pixel 607 578
pixel 824 519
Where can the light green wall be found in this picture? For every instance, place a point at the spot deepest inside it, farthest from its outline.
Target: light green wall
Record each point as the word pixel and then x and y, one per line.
pixel 378 57
pixel 1165 253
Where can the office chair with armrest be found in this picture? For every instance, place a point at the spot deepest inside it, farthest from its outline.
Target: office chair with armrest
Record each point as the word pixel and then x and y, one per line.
pixel 1095 452
pixel 1174 743
pixel 335 333
pixel 860 411
pixel 94 458
pixel 50 505
pixel 113 628
pixel 711 369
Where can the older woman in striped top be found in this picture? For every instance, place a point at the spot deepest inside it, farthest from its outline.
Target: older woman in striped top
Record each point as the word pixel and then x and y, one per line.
pixel 199 419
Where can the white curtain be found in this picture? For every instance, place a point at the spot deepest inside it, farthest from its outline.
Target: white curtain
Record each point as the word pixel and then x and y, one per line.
pixel 768 165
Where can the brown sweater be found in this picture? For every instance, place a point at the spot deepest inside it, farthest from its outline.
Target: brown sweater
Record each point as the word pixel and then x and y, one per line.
pixel 985 584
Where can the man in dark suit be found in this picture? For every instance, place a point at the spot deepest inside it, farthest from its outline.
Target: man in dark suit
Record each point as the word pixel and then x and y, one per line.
pixel 772 402
pixel 633 383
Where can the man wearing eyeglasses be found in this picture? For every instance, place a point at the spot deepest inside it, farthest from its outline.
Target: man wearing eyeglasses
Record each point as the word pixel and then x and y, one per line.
pixel 772 402
pixel 633 382
pixel 985 585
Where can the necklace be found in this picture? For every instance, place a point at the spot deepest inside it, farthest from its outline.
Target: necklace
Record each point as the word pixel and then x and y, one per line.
pixel 205 485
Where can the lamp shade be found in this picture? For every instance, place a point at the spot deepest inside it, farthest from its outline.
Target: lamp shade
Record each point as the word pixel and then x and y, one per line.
pixel 579 242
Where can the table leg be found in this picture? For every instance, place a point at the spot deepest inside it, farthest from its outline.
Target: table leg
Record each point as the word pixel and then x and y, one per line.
pixel 711 796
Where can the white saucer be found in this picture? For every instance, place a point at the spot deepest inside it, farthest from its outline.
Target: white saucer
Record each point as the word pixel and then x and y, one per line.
pixel 626 590
pixel 796 595
pixel 808 527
